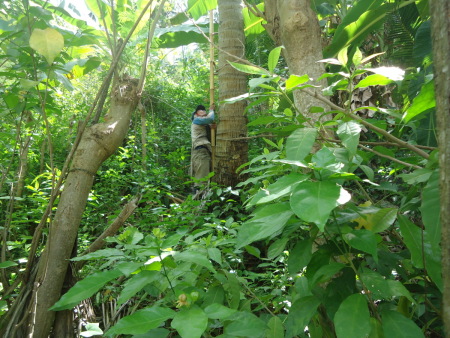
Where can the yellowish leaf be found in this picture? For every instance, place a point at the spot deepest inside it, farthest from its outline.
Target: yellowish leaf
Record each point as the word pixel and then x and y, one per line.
pixel 47 42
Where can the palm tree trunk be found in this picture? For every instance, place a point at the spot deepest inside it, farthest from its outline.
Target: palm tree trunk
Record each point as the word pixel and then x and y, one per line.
pixel 231 151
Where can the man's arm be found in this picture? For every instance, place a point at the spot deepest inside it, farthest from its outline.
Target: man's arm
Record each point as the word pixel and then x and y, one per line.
pixel 205 119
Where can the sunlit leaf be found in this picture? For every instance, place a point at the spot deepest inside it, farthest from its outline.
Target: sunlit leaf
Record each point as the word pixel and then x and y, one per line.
pixel 47 42
pixel 314 201
pixel 274 56
pixel 300 143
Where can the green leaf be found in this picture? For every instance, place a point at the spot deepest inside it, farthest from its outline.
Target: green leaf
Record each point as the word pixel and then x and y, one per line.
pixel 430 209
pixel 363 240
pixel 362 18
pixel 382 288
pixel 314 201
pixel 218 311
pixel 412 237
pixel 141 321
pixel 300 313
pixel 196 258
pixel 299 256
pixel 352 319
pixel 373 80
pixel 245 324
pixel 265 222
pixel 325 273
pixel 277 247
pixel 198 8
pixel 190 323
pixel 7 264
pixel 417 176
pixel 99 254
pixel 300 143
pixel 47 42
pixel 349 133
pixel 281 188
pixel 274 56
pixel 422 102
pixel 295 81
pixel 396 325
pixel 136 284
pixel 85 288
pixel 276 328
pixel 215 254
pixel 249 69
pixel 92 329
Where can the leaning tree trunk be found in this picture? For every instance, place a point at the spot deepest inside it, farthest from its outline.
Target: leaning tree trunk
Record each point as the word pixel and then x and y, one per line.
pixel 440 18
pixel 231 150
pixel 97 144
pixel 293 24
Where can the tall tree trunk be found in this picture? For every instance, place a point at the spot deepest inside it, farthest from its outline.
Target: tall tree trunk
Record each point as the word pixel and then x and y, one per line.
pixel 293 24
pixel 98 143
pixel 440 18
pixel 231 152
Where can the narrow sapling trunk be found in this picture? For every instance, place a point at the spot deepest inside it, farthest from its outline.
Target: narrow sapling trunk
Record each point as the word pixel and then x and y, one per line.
pixel 98 143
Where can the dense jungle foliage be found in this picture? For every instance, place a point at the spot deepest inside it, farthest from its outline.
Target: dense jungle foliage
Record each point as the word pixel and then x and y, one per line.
pixel 334 230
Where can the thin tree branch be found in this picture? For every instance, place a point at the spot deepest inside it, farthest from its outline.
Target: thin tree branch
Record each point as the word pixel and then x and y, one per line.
pixel 386 134
pixel 390 158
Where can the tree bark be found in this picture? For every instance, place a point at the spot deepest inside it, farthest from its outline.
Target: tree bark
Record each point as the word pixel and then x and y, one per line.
pixel 98 143
pixel 294 25
pixel 231 151
pixel 440 18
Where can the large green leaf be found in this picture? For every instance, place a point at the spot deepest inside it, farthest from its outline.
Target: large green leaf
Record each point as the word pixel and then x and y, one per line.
pixel 85 288
pixel 299 256
pixel 249 69
pixel 300 143
pixel 253 24
pixel 352 319
pixel 265 222
pixel 430 209
pixel 136 284
pixel 374 80
pixel 196 258
pixel 141 321
pixel 300 313
pixel 396 325
pixel 362 18
pixel 218 311
pixel 314 201
pixel 349 133
pixel 382 288
pixel 191 322
pixel 413 239
pixel 245 324
pixel 282 187
pixel 422 102
pixel 325 273
pixel 198 8
pixel 182 35
pixel 276 328
pixel 363 240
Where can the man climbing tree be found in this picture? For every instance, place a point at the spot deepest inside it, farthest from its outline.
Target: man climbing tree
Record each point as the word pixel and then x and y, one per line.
pixel 201 144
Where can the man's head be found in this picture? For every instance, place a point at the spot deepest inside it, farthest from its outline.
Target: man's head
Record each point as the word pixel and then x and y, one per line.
pixel 200 110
